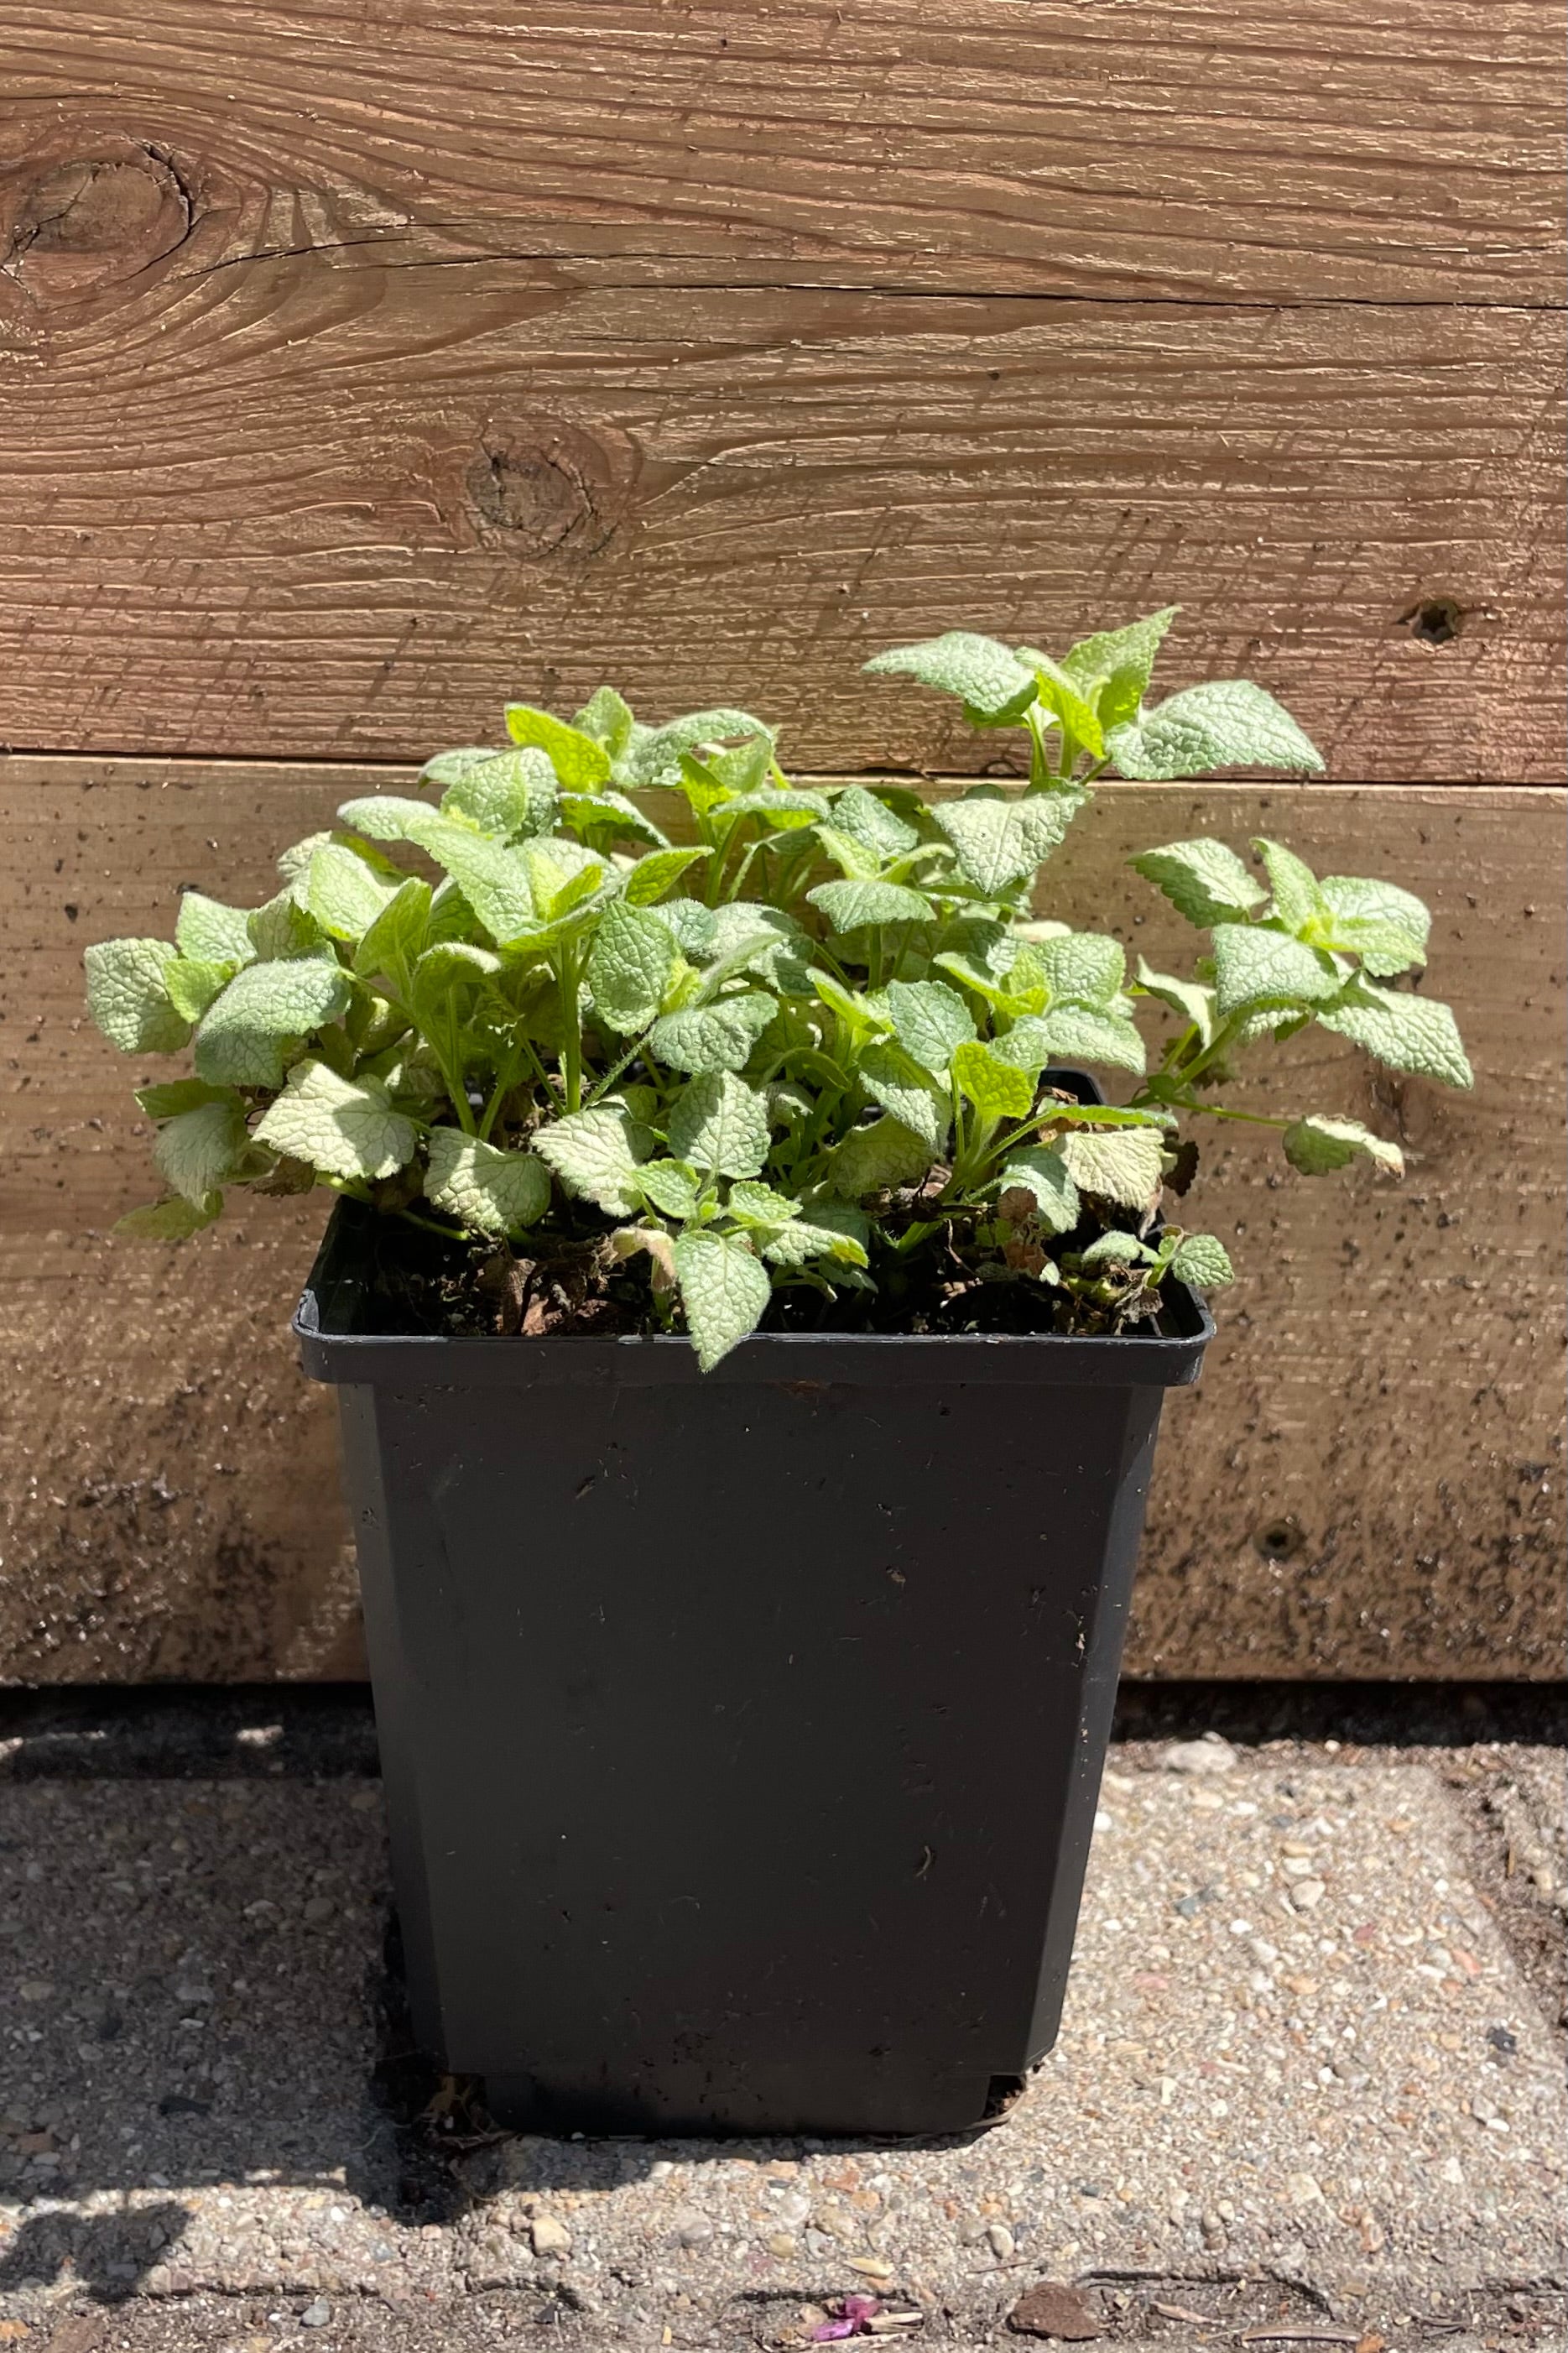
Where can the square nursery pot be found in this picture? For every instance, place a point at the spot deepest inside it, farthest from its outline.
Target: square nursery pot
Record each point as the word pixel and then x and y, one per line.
pixel 741 1733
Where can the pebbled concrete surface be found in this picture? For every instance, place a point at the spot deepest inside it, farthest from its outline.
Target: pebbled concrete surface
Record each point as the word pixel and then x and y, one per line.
pixel 1309 2079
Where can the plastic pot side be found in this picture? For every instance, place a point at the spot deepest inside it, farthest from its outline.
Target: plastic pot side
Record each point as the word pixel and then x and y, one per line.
pixel 741 1734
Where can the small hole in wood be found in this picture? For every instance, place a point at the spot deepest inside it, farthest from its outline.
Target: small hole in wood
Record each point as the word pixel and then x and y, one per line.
pixel 1434 621
pixel 1279 1539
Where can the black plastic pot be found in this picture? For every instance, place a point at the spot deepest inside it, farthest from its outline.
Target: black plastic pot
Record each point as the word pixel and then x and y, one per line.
pixel 741 1734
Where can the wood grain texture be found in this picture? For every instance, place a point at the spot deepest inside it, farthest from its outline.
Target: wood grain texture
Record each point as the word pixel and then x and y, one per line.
pixel 328 507
pixel 1359 149
pixel 1364 1484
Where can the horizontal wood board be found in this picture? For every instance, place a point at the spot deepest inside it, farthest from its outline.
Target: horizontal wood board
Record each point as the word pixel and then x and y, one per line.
pixel 325 506
pixel 1364 1485
pixel 1361 150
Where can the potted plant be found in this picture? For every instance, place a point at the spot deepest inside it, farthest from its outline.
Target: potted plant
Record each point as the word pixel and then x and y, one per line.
pixel 751 1326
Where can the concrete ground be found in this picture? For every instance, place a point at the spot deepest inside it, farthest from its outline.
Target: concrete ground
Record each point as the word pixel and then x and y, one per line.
pixel 1309 2089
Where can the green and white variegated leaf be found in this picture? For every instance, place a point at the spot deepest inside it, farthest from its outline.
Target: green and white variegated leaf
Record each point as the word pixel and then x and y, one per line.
pixel 815 1236
pixel 724 1290
pixel 1388 928
pixel 1298 899
pixel 485 1189
pixel 896 1080
pixel 199 1151
pixel 1190 998
pixel 1041 1170
pixel 345 1127
pixel 868 821
pixel 672 1187
pixel 719 1123
pixel 718 1037
pixel 1121 1164
pixel 761 1204
pixel 849 905
pixel 512 795
pixel 612 817
pixel 1203 879
pixel 1081 968
pixel 983 673
pixel 389 816
pixel 999 842
pixel 581 762
pixel 1408 1033
pixel 693 928
pixel 1229 723
pixel 1255 965
pixel 1111 668
pixel 629 967
pixel 1317 1143
pixel 172 1220
pixel 594 1154
pixel 343 893
pixel 931 1021
pixel 1116 1249
pixel 211 932
pixel 997 1089
pixel 266 1009
pixel 872 1159
pixel 128 999
pixel 1071 1033
pixel 1202 1259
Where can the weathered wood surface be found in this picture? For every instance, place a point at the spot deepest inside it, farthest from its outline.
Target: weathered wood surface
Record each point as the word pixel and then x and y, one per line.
pixel 326 506
pixel 1358 149
pixel 1381 1407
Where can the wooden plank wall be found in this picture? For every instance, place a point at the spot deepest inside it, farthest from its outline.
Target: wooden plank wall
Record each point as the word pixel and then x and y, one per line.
pixel 361 365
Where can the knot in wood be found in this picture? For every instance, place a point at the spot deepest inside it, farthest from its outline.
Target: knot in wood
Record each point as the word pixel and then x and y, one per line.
pixel 71 226
pixel 550 490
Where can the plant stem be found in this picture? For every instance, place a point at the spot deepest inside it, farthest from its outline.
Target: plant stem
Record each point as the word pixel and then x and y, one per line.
pixel 570 1028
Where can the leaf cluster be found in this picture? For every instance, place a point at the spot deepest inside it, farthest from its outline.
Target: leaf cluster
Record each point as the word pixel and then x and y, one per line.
pixel 631 983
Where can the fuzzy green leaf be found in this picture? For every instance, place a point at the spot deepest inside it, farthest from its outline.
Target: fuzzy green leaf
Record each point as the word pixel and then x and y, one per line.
pixel 389 816
pixel 264 1009
pixel 285 932
pixel 171 1097
pixel 581 763
pixel 724 1291
pixel 607 716
pixel 1203 879
pixel 1190 998
pixel 210 932
pixel 1111 668
pixel 929 1021
pixel 672 1187
pixel 872 1159
pixel 719 1123
pixel 497 882
pixel 511 795
pixel 1123 1165
pixel 1071 1033
pixel 896 1080
pixel 128 999
pixel 1201 1258
pixel 398 935
pixel 998 1090
pixel 191 986
pixel 1298 899
pixel 868 821
pixel 653 761
pixel 1409 1033
pixel 1317 1143
pixel 198 1151
pixel 1229 723
pixel 345 1127
pixel 999 842
pixel 1081 968
pixel 488 1190
pixel 1255 965
pixel 652 876
pixel 1388 928
pixel 980 672
pixel 1042 1171
pixel 169 1222
pixel 629 967
pixel 343 894
pixel 718 1037
pixel 1060 695
pixel 594 1154
pixel 849 905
